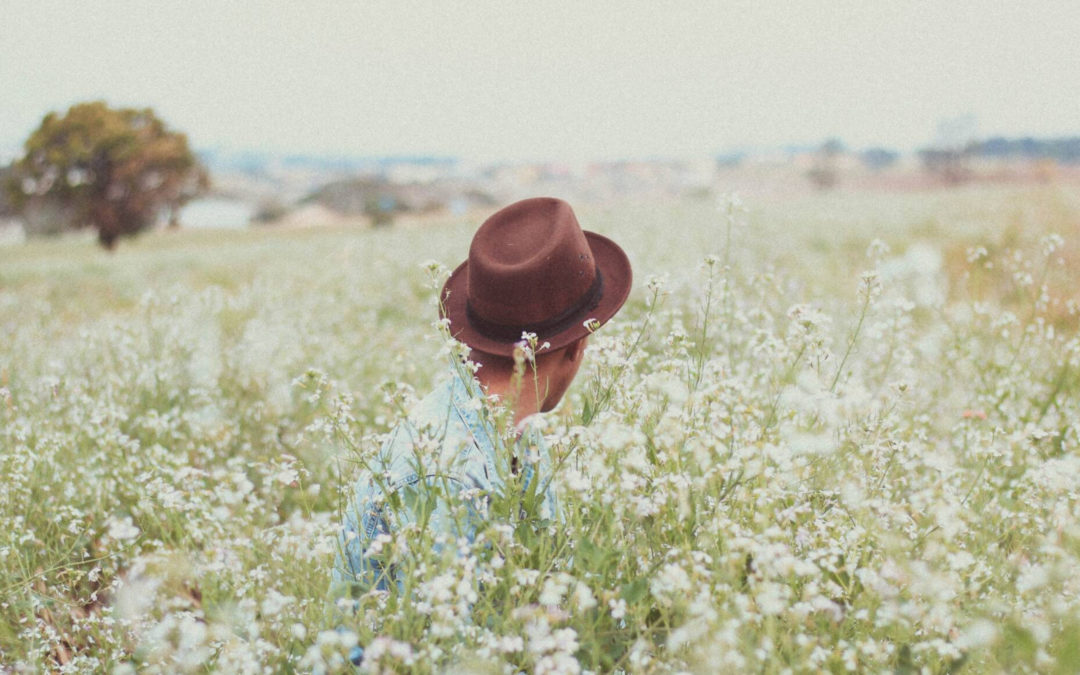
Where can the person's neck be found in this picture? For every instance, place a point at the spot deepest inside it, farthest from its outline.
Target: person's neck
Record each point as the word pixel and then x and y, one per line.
pixel 524 399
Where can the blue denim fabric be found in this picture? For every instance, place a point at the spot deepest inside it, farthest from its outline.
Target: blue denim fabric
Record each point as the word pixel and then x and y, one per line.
pixel 451 418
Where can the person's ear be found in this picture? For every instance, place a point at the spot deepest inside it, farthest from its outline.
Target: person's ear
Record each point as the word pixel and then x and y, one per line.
pixel 575 350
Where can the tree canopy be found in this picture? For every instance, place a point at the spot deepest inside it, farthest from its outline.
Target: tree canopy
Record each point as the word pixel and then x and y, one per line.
pixel 117 170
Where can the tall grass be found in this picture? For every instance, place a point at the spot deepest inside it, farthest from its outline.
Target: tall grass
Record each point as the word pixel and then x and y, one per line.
pixel 777 458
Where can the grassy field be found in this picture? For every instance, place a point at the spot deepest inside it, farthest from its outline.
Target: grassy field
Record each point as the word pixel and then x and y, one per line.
pixel 832 433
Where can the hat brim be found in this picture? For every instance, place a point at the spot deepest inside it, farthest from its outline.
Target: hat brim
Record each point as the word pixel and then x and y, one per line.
pixel 611 262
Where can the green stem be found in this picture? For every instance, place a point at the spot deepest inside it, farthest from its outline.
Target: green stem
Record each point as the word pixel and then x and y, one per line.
pixel 851 343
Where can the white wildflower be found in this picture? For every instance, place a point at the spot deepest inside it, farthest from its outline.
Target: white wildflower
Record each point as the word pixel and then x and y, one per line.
pixel 123 529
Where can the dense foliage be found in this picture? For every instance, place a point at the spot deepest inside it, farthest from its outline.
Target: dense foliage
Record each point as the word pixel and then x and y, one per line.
pixel 116 170
pixel 849 454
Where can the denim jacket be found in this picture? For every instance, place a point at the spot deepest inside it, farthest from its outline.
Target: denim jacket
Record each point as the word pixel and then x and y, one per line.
pixel 445 440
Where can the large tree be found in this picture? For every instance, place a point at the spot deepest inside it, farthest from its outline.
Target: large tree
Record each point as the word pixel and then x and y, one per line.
pixel 117 170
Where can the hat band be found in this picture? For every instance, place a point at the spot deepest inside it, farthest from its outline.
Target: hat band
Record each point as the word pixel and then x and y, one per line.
pixel 504 333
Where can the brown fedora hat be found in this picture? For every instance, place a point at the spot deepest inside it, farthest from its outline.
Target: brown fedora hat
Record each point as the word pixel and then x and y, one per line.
pixel 531 268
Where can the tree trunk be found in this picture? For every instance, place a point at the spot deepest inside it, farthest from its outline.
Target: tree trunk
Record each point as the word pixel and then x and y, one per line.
pixel 107 239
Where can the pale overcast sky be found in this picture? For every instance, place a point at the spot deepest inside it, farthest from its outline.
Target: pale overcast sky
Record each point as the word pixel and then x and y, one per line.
pixel 537 80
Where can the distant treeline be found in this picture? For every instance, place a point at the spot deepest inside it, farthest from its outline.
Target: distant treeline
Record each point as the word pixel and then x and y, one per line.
pixel 255 162
pixel 1065 150
pixel 953 164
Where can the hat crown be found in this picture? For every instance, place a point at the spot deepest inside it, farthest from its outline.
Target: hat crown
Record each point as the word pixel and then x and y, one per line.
pixel 529 263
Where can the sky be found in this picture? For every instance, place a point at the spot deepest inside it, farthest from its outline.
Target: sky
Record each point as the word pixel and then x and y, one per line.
pixel 570 81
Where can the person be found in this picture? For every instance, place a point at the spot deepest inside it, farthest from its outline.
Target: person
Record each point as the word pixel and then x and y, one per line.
pixel 533 288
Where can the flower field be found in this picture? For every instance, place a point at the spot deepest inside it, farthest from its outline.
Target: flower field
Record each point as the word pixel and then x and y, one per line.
pixel 833 434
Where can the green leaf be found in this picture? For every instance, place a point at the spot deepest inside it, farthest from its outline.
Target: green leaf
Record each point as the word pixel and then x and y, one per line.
pixel 635 591
pixel 589 557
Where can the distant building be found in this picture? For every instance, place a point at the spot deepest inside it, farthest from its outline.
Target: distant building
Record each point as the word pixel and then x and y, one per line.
pixel 217 213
